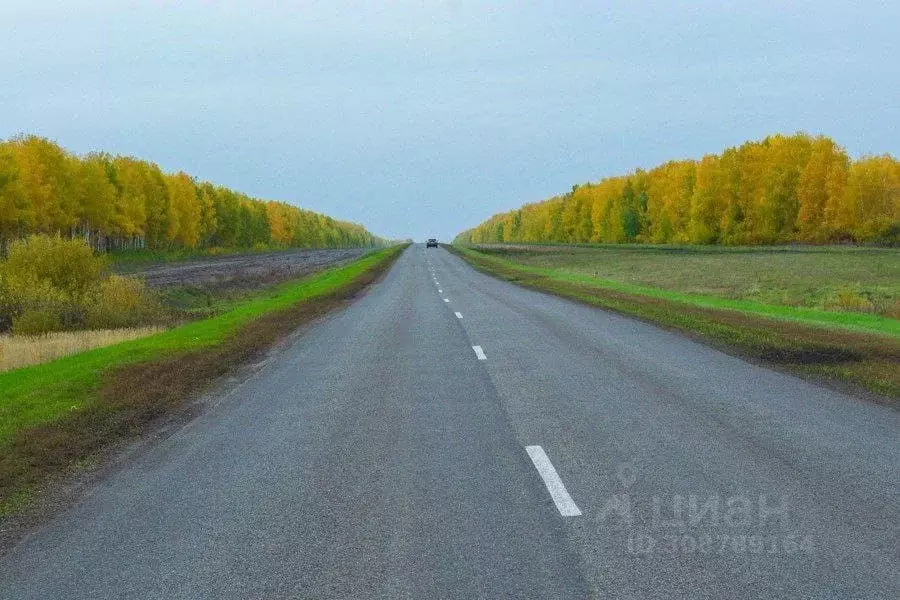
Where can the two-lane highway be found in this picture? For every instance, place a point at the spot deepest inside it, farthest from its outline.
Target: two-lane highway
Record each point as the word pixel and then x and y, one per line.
pixel 453 436
pixel 698 474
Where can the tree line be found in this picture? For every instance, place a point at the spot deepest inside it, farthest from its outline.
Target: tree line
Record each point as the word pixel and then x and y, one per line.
pixel 782 189
pixel 119 202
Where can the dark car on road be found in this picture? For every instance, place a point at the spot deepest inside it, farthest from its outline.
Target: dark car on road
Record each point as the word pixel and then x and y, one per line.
pixel 431 243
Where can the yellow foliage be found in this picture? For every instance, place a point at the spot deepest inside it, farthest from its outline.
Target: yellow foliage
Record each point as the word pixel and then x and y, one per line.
pixel 49 283
pixel 781 189
pixel 51 268
pixel 120 302
pixel 122 202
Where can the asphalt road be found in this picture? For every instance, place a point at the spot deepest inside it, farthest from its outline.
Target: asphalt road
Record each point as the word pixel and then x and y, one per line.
pixel 453 436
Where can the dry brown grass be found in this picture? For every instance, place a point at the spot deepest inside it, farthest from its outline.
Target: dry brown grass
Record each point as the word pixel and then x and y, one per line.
pixel 22 350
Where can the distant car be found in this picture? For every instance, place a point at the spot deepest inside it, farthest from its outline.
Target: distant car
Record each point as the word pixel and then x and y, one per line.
pixel 431 243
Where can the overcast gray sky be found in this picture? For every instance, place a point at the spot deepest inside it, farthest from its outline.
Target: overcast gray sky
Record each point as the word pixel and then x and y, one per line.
pixel 421 119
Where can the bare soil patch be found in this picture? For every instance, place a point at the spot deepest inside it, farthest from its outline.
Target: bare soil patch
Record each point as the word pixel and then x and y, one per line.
pixel 243 270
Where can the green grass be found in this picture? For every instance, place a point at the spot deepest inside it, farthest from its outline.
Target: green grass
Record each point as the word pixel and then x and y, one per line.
pixel 43 393
pixel 198 301
pixel 805 285
pixel 15 502
pixel 862 350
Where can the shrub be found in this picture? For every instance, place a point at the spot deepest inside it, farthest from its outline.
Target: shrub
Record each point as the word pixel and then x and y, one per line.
pixel 6 304
pixel 68 267
pixel 35 322
pixel 893 310
pixel 49 283
pixel 853 301
pixel 121 302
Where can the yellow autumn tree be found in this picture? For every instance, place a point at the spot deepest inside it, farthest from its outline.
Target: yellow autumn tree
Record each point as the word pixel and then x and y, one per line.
pixel 781 189
pixel 119 202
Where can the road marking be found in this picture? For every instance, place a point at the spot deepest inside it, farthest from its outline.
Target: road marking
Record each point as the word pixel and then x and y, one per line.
pixel 458 315
pixel 479 352
pixel 561 497
pixel 440 291
pixel 446 299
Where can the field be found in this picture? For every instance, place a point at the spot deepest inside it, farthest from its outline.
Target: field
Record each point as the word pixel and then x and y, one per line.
pixel 826 278
pixel 198 286
pixel 854 345
pixel 56 413
pixel 232 269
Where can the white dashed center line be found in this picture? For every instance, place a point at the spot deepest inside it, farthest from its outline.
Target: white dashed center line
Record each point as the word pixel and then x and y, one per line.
pixel 561 497
pixel 458 315
pixel 479 353
pixel 440 291
pixel 446 299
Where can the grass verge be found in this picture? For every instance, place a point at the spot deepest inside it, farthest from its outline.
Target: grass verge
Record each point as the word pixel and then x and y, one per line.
pixel 58 413
pixel 863 350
